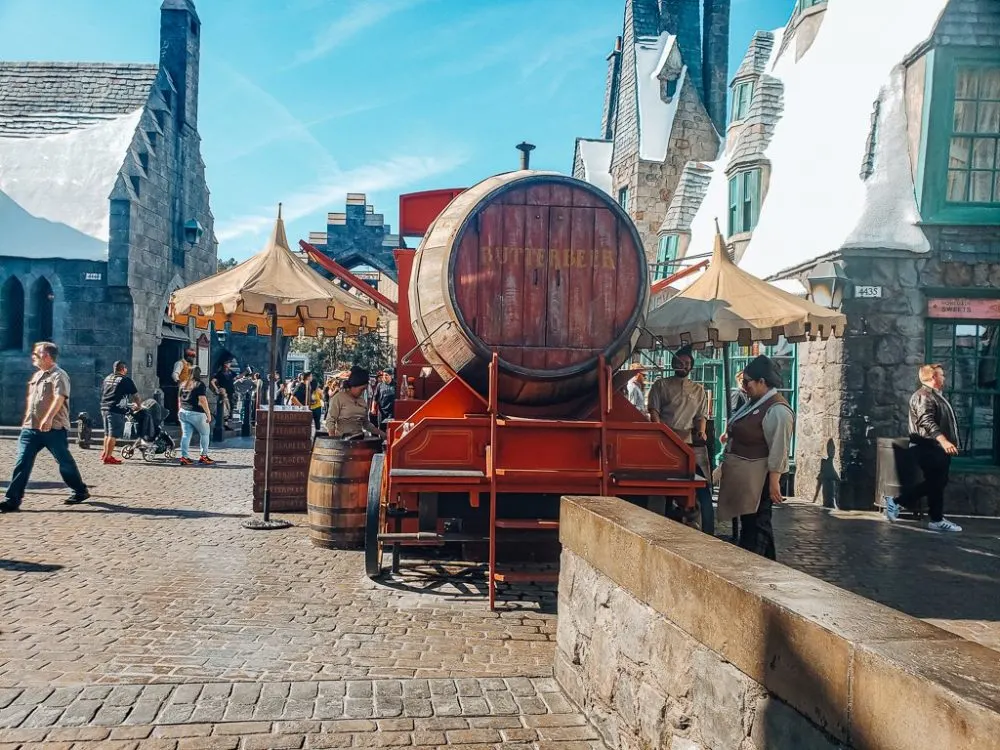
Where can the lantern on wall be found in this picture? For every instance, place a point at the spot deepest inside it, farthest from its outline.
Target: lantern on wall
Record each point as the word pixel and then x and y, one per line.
pixel 828 284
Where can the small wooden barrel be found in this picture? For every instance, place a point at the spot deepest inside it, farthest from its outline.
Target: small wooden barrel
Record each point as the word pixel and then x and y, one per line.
pixel 337 494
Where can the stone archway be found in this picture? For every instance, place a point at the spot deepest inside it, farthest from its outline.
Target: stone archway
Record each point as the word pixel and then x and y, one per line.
pixel 40 311
pixel 12 315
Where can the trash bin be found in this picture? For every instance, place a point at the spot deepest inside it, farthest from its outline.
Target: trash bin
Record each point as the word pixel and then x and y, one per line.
pixel 896 468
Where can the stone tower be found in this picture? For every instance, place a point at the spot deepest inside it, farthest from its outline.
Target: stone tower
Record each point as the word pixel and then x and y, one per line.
pixel 180 50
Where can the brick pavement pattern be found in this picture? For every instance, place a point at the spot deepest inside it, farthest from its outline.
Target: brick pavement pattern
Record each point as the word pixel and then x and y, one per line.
pixel 148 617
pixel 950 580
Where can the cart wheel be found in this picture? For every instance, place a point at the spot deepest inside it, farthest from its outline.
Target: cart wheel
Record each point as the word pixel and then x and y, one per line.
pixel 149 455
pixel 127 451
pixel 374 518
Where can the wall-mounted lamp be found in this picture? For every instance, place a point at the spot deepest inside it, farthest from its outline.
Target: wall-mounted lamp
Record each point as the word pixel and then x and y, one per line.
pixel 221 336
pixel 193 231
pixel 828 284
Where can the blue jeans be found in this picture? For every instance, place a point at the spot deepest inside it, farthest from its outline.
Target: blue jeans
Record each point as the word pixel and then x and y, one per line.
pixel 191 421
pixel 704 498
pixel 29 445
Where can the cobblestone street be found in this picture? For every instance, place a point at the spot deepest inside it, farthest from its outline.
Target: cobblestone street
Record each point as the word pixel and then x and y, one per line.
pixel 149 618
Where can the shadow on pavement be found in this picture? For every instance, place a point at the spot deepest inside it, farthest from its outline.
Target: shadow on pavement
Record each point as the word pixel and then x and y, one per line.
pixel 466 583
pixel 101 506
pixel 22 566
pixel 903 565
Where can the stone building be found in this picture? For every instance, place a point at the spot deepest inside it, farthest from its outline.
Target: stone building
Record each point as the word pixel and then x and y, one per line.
pixel 664 105
pixel 358 239
pixel 862 167
pixel 104 211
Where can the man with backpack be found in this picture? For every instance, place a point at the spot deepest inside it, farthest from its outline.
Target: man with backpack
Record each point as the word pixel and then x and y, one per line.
pixel 117 391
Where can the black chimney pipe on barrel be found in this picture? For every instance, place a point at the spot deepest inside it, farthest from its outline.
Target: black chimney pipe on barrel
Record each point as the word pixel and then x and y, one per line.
pixel 525 148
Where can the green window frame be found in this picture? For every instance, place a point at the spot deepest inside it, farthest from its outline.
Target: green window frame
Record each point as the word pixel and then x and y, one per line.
pixel 744 201
pixel 742 99
pixel 969 351
pixel 804 4
pixel 623 198
pixel 666 254
pixel 958 178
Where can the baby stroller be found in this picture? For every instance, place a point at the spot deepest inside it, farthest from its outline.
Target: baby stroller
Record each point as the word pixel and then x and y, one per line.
pixel 145 425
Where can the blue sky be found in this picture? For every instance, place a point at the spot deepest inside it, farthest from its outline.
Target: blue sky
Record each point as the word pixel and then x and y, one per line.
pixel 303 101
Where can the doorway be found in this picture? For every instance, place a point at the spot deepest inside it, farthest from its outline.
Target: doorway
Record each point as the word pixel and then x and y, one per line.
pixel 167 354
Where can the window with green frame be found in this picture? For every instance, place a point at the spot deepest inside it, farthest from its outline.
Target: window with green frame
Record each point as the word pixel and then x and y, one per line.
pixel 623 198
pixel 970 355
pixel 666 254
pixel 744 201
pixel 742 98
pixel 803 4
pixel 960 150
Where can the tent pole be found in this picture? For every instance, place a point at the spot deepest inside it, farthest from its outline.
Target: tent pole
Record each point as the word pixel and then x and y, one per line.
pixel 270 413
pixel 266 523
pixel 729 414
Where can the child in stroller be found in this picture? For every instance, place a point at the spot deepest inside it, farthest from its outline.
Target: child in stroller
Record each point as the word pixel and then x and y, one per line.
pixel 145 424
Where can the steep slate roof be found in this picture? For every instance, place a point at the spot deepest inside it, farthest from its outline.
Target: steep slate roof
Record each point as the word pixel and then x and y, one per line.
pixel 645 18
pixel 42 98
pixel 758 55
pixel 758 127
pixel 691 191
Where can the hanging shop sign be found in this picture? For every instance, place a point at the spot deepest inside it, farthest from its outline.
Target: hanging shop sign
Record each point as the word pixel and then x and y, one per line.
pixel 964 309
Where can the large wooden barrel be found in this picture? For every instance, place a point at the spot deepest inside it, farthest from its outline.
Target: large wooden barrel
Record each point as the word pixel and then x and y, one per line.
pixel 546 270
pixel 337 494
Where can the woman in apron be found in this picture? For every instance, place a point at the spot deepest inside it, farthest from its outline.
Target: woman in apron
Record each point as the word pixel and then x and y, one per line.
pixel 757 443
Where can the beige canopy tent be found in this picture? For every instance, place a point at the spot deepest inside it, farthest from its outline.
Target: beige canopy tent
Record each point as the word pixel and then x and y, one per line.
pixel 272 290
pixel 728 305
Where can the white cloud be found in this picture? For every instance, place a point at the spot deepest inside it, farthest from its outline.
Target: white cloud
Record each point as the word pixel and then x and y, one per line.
pixel 386 175
pixel 362 15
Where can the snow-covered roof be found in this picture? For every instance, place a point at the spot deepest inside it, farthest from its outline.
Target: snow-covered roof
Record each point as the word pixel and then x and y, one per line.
pixel 54 190
pixel 816 202
pixel 44 98
pixel 758 54
pixel 656 117
pixel 596 157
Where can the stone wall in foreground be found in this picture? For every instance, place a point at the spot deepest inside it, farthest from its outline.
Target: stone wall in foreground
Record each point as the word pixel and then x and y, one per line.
pixel 668 638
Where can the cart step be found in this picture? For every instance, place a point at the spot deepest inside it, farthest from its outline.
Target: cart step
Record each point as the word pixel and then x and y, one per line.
pixel 527 523
pixel 526 576
pixel 436 473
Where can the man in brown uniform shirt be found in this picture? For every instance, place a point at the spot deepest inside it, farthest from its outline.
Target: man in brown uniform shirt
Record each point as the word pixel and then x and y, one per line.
pixel 45 425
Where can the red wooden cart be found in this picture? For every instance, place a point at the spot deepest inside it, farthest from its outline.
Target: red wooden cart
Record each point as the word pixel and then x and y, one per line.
pixel 520 303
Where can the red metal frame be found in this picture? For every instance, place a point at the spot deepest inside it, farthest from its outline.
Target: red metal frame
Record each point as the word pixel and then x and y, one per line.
pixel 344 275
pixel 417 211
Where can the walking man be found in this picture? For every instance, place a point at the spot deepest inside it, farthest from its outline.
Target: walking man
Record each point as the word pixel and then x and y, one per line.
pixel 117 391
pixel 934 437
pixel 46 425
pixel 682 405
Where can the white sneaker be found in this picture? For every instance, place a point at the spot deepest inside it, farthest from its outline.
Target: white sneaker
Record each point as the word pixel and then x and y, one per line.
pixel 943 525
pixel 891 508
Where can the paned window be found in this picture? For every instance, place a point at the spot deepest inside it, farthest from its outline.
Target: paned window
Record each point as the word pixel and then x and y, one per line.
pixel 968 351
pixel 974 149
pixel 666 254
pixel 623 198
pixel 742 97
pixel 744 201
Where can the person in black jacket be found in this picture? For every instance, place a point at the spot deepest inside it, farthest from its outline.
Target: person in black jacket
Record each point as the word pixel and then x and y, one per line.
pixel 934 436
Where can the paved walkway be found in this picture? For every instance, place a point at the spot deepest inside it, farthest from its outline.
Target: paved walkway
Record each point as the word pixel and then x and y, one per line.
pixel 950 580
pixel 150 618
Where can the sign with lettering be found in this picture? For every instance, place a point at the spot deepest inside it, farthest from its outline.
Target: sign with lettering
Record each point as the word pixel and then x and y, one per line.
pixel 868 292
pixel 538 257
pixel 964 309
pixel 90 276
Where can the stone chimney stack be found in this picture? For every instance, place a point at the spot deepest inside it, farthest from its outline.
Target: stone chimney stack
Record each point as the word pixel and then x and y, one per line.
pixel 180 51
pixel 683 18
pixel 716 68
pixel 611 91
